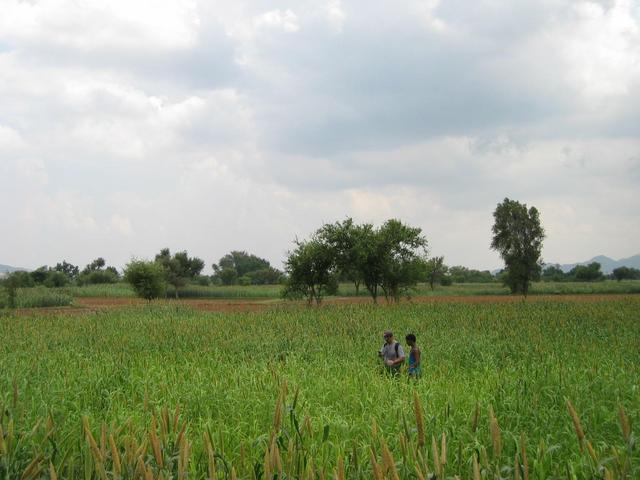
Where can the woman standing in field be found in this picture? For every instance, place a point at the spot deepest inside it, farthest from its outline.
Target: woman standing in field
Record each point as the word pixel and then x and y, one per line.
pixel 414 356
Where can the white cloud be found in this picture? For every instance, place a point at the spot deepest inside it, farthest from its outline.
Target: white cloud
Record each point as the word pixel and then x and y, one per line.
pixel 127 127
pixel 10 140
pixel 285 20
pixel 336 15
pixel 101 24
pixel 121 224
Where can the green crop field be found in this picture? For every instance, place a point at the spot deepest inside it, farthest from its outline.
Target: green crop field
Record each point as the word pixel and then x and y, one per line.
pixel 123 290
pixel 545 389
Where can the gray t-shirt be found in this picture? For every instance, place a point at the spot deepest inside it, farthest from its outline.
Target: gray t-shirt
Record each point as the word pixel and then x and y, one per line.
pixel 388 351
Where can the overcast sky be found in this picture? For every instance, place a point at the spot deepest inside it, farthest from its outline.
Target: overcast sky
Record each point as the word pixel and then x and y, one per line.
pixel 127 126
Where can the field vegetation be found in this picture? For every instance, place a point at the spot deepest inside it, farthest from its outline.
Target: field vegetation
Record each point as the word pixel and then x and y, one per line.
pixel 348 290
pixel 509 390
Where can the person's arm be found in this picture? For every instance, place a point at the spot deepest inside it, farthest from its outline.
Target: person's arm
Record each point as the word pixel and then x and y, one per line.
pixel 400 358
pixel 416 356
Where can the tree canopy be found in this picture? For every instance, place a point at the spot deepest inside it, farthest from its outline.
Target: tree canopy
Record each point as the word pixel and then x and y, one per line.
pixel 518 236
pixel 147 279
pixel 311 271
pixel 242 267
pixel 390 259
pixel 179 268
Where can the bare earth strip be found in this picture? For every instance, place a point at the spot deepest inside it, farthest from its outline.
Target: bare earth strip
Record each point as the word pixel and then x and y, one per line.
pixel 96 304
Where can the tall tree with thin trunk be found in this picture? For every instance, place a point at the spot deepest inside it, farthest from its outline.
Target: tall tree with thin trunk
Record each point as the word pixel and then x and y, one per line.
pixel 518 236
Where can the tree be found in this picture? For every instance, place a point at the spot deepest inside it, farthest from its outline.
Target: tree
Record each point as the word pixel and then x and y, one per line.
pixel 265 276
pixel 518 236
pixel 250 268
pixel 402 252
pixel 179 268
pixel 56 279
pixel 97 264
pixel 11 283
pixel 96 273
pixel 436 270
pixel 460 274
pixel 71 271
pixel 21 279
pixel 146 278
pixel 40 274
pixel 346 240
pixel 311 271
pixel 392 259
pixel 553 273
pixel 626 273
pixel 587 273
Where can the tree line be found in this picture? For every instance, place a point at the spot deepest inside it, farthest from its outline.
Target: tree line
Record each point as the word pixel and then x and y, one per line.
pixel 388 260
pixel 167 270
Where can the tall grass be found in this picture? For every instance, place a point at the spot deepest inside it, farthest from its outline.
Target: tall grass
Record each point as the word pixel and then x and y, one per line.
pixel 348 290
pixel 167 392
pixel 39 297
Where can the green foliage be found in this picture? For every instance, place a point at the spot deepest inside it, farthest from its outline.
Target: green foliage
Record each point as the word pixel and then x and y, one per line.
pixel 179 268
pixel 71 271
pixel 553 273
pixel 56 279
pixel 347 241
pixel 394 259
pixel 238 265
pixel 311 271
pixel 95 273
pixel 265 276
pixel 460 274
pixel 97 277
pixel 587 273
pixel 41 297
pixel 105 290
pixel 626 273
pixel 39 275
pixel 436 271
pixel 520 360
pixel 146 278
pixel 227 275
pixel 11 284
pixel 518 236
pixel 21 279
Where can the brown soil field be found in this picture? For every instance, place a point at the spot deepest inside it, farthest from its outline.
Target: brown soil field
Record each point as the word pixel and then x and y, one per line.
pixel 97 304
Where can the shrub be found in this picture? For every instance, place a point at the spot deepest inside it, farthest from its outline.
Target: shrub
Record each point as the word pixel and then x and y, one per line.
pixel 146 278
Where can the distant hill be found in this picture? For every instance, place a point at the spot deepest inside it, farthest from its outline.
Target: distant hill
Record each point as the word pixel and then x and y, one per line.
pixel 9 269
pixel 607 264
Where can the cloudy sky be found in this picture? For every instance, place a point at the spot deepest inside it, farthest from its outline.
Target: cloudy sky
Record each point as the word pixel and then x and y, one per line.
pixel 131 125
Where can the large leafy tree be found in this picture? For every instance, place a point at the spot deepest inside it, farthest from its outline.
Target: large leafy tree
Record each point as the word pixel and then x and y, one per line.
pixel 392 259
pixel 402 252
pixel 311 271
pixel 179 268
pixel 347 241
pixel 518 236
pixel 240 264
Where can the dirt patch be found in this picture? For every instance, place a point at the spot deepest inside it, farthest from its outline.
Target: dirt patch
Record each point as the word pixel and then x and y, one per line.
pixel 97 304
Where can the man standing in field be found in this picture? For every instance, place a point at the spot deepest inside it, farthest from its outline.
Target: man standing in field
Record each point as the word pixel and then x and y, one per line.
pixel 391 353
